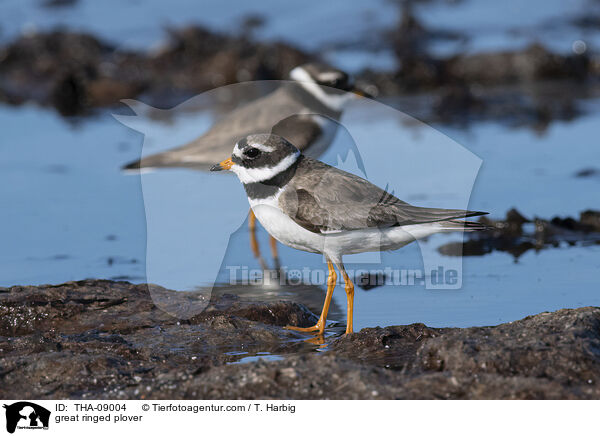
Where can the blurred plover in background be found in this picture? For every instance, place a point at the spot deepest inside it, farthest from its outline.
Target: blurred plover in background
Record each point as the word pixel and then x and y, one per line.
pixel 305 113
pixel 311 206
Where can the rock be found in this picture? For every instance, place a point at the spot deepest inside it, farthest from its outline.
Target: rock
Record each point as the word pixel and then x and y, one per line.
pixel 58 3
pixel 538 346
pixel 588 172
pixel 508 234
pixel 370 280
pixel 312 377
pixel 456 100
pixel 107 340
pixel 533 63
pixel 390 347
pixel 75 72
pixel 590 219
pixel 93 337
pixel 547 356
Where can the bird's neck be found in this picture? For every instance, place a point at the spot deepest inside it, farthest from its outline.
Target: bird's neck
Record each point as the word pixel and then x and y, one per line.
pixel 270 187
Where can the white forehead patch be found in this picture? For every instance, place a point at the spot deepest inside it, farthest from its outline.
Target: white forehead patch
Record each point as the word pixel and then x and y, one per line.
pixel 263 147
pixel 237 151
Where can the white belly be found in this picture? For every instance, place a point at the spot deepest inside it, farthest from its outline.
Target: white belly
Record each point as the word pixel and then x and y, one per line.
pixel 334 245
pixel 286 231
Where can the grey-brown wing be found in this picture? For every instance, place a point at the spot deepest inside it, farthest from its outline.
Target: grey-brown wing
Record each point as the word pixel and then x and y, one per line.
pixel 216 144
pixel 299 129
pixel 324 199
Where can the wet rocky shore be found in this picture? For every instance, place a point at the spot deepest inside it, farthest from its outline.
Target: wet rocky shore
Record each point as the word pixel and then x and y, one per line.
pixel 108 340
pixel 77 73
pixel 517 234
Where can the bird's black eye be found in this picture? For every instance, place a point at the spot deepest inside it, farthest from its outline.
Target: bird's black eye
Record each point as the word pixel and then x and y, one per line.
pixel 252 152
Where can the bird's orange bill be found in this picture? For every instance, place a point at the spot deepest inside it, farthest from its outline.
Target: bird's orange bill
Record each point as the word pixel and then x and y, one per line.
pixel 363 93
pixel 225 165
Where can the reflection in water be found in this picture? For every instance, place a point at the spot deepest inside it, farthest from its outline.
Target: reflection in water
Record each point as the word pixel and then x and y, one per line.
pixel 64 225
pixel 517 235
pixel 310 296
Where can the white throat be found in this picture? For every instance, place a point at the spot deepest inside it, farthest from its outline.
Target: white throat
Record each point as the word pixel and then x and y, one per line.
pixel 254 175
pixel 335 102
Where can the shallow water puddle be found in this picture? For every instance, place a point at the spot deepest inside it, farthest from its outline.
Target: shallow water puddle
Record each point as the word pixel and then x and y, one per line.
pixel 70 213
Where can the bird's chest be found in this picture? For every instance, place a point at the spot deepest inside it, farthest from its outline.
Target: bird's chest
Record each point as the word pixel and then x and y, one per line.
pixel 282 227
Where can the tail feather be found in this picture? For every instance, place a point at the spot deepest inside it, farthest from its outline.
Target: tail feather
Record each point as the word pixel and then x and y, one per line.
pixel 467 226
pixel 415 214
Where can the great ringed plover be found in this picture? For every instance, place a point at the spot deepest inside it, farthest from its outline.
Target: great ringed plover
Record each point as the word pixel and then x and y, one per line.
pixel 306 113
pixel 311 206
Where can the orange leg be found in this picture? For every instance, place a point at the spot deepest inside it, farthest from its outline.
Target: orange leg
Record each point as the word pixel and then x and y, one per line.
pixel 275 254
pixel 253 241
pixel 349 286
pixel 319 327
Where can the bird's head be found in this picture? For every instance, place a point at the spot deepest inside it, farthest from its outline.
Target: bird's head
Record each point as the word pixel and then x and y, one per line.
pixel 258 158
pixel 329 85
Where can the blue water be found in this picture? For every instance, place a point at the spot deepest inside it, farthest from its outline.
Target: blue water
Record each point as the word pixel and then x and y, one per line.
pixel 69 213
pixel 317 25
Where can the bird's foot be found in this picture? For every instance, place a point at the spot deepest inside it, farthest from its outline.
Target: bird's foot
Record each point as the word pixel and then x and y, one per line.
pixel 318 328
